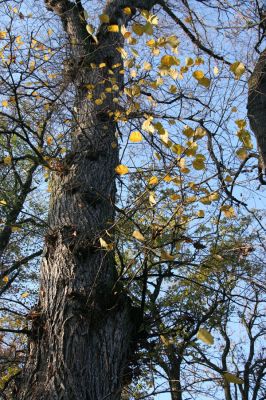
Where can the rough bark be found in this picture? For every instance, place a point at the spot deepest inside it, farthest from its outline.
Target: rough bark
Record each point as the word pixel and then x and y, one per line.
pixel 83 327
pixel 257 105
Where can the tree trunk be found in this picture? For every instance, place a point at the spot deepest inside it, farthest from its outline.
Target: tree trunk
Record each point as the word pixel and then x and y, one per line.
pixel 83 326
pixel 257 105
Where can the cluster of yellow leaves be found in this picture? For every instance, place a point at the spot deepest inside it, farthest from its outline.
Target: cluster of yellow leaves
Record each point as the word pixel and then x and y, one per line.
pixel 147 28
pixel 155 45
pixel 168 61
pixel 199 162
pixel 245 138
pixel 3 203
pixel 201 78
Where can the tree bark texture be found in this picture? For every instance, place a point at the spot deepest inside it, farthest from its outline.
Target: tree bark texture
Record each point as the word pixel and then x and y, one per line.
pixel 257 105
pixel 83 327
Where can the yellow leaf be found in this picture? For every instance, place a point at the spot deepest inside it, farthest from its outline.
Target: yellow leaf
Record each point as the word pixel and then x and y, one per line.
pixel 228 178
pixel 214 196
pixel 138 29
pixel 166 256
pixel 192 148
pixel 121 169
pixel 234 109
pixel 189 61
pixel 198 164
pixel 173 41
pixel 205 336
pixel 5 103
pixel 7 160
pixel 167 178
pixel 245 138
pixel 184 69
pixel 215 70
pixel 50 32
pixel 98 102
pixel 104 18
pixel 238 69
pixel 3 34
pixel 122 52
pixel 173 89
pixel 15 228
pixel 241 123
pixel 105 245
pixel 135 137
pixel 175 197
pixel 199 61
pixel 147 66
pixel 198 74
pixel 204 82
pixel 5 279
pixel 153 19
pixel 228 211
pixel 137 235
pixel 124 32
pixel 127 10
pixel 90 29
pixel 164 136
pixel 32 66
pixel 241 153
pixel 199 133
pixel 188 20
pixel 153 180
pixel 49 140
pixel 24 295
pixel 147 125
pixel 113 28
pixel 205 200
pixel 201 214
pixel 178 149
pixel 157 155
pixel 188 132
pixel 19 40
pixel 231 378
pixel 3 203
pixel 169 61
pixel 152 199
